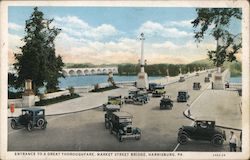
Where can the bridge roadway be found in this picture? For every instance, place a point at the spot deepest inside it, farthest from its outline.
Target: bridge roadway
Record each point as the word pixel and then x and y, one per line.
pixel 85 131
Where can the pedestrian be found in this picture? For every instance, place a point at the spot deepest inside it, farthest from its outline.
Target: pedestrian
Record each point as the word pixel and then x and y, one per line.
pixel 189 113
pixel 232 142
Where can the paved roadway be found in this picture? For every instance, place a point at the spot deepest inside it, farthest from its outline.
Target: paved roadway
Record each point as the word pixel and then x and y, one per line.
pixel 85 131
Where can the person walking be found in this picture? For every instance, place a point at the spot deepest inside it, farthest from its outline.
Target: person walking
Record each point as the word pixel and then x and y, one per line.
pixel 232 142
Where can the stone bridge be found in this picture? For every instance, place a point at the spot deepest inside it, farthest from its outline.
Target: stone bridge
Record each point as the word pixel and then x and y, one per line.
pixel 88 71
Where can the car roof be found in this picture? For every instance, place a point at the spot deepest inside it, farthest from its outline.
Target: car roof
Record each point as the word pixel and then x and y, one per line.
pixel 182 91
pixel 33 109
pixel 114 96
pixel 123 115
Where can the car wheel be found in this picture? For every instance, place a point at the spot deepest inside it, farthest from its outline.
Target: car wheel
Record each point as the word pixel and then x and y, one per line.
pixel 13 124
pixel 107 125
pixel 40 122
pixel 182 139
pixel 217 141
pixel 29 127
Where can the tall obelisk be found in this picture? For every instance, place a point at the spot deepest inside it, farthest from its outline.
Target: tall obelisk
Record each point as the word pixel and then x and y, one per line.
pixel 142 81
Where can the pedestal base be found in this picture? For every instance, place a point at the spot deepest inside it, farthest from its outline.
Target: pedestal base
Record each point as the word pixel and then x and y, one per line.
pixel 218 82
pixel 28 101
pixel 142 81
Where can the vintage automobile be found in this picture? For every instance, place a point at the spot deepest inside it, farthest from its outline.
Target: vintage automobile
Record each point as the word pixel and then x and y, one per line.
pixel 182 79
pixel 151 87
pixel 166 103
pixel 182 96
pixel 141 98
pixel 121 125
pixel 202 130
pixel 109 111
pixel 158 91
pixel 227 85
pixel 209 75
pixel 196 86
pixel 131 95
pixel 30 118
pixel 114 100
pixel 206 80
pixel 197 74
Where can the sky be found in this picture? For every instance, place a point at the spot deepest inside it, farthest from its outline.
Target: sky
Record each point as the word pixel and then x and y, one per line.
pixel 108 35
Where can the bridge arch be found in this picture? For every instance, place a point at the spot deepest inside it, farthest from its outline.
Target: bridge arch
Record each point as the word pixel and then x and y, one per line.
pixel 93 71
pixel 72 73
pixel 86 71
pixel 79 72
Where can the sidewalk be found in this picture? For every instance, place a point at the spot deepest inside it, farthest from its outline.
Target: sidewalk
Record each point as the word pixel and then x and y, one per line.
pixel 85 102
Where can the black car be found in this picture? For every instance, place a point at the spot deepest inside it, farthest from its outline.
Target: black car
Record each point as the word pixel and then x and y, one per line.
pixel 202 130
pixel 121 125
pixel 151 87
pixel 182 96
pixel 196 86
pixel 182 79
pixel 166 103
pixel 206 80
pixel 109 110
pixel 30 118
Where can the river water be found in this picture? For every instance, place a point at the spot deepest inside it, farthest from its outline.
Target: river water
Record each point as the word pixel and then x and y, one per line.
pixel 94 79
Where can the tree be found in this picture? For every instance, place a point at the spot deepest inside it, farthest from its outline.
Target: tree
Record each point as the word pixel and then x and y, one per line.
pixel 37 60
pixel 228 44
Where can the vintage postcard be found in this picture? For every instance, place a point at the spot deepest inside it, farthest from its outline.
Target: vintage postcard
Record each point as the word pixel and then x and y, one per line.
pixel 124 79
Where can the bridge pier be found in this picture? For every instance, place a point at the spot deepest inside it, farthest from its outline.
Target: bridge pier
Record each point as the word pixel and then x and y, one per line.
pixel 219 80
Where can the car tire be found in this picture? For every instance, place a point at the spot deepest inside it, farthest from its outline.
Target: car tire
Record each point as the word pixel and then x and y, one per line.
pixel 29 126
pixel 13 124
pixel 40 122
pixel 217 140
pixel 182 139
pixel 107 125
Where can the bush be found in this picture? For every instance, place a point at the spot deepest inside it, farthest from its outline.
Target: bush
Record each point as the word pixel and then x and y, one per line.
pixel 104 89
pixel 45 102
pixel 14 95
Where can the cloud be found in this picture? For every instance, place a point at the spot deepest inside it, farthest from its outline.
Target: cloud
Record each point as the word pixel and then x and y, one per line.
pixel 183 23
pixel 77 27
pixel 14 26
pixel 167 44
pixel 157 29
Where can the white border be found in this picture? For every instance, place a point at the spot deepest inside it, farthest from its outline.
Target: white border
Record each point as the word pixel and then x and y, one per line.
pixel 168 3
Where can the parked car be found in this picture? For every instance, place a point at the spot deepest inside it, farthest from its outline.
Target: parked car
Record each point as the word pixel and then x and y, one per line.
pixel 30 118
pixel 209 75
pixel 166 103
pixel 206 80
pixel 121 125
pixel 114 100
pixel 109 111
pixel 158 91
pixel 197 74
pixel 141 98
pixel 227 85
pixel 151 87
pixel 131 95
pixel 196 86
pixel 182 96
pixel 202 130
pixel 182 79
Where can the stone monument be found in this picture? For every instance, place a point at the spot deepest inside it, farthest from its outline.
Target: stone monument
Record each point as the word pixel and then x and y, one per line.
pixel 28 95
pixel 142 81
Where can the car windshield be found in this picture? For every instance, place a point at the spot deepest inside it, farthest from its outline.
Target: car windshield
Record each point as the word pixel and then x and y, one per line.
pixel 182 93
